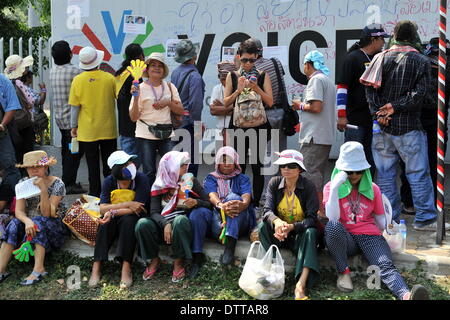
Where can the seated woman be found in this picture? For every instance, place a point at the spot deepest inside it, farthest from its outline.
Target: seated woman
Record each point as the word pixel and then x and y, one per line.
pixel 231 191
pixel 175 194
pixel 124 195
pixel 39 217
pixel 290 219
pixel 354 207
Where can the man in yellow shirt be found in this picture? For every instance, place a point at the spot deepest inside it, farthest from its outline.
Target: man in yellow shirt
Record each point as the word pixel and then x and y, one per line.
pixel 93 117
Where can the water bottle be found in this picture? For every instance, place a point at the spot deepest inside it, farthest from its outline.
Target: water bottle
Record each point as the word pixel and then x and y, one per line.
pixel 376 127
pixel 74 146
pixel 403 230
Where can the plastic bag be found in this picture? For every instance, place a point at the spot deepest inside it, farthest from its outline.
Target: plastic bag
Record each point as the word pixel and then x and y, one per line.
pixel 394 238
pixel 263 275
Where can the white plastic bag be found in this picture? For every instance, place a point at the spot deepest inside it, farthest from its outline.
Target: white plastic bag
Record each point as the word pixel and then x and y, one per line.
pixel 263 275
pixel 392 235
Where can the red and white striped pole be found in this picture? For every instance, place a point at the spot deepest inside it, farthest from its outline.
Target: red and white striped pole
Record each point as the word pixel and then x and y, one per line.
pixel 441 122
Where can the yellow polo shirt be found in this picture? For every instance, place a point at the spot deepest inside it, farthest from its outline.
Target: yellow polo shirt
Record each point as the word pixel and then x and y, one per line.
pixel 95 93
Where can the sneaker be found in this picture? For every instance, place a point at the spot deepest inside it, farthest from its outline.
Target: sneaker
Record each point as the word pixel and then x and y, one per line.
pixel 344 283
pixel 429 227
pixel 75 189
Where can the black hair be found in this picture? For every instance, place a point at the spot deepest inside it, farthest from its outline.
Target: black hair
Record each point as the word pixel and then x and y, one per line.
pixel 132 52
pixel 363 42
pixel 61 52
pixel 27 74
pixel 405 31
pixel 248 46
pixel 117 172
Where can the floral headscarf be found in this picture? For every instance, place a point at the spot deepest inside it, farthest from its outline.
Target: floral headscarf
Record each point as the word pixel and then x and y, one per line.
pixel 223 187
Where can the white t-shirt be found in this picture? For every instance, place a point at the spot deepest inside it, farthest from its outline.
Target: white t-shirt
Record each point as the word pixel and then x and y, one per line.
pixel 320 127
pixel 150 115
pixel 222 122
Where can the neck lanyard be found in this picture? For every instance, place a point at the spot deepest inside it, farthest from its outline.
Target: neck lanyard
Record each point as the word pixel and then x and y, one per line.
pixel 154 91
pixel 355 205
pixel 368 58
pixel 291 207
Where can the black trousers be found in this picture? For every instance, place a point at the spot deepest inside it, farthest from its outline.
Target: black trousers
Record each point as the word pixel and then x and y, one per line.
pixel 121 228
pixel 92 150
pixel 70 162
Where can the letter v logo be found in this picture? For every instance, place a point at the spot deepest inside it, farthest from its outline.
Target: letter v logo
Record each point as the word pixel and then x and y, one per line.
pixel 116 39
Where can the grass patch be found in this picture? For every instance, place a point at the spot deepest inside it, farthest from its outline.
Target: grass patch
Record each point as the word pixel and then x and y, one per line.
pixel 214 283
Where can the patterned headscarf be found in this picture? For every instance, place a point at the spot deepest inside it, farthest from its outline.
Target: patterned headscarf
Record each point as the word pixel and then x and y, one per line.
pixel 168 176
pixel 318 60
pixel 222 185
pixel 225 67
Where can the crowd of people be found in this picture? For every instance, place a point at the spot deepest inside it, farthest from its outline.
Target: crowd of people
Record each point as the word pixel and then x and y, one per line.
pixel 384 102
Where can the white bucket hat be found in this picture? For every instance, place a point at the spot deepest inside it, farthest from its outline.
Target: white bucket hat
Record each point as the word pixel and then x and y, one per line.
pixel 90 58
pixel 290 156
pixel 352 157
pixel 119 157
pixel 159 57
pixel 16 65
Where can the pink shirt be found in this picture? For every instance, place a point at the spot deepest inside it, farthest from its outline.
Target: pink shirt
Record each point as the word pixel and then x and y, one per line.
pixel 364 221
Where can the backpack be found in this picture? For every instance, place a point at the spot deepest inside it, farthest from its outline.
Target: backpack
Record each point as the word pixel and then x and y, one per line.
pixel 249 109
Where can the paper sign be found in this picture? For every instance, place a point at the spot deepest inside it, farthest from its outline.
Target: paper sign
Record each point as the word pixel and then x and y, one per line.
pixel 171 45
pixel 26 189
pixel 83 5
pixel 135 24
pixel 280 52
pixel 228 53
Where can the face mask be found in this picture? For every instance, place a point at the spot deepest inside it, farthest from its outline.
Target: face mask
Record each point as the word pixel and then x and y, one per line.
pixel 129 173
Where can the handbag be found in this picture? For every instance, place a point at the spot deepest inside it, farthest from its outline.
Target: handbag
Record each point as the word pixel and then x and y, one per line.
pixel 263 275
pixel 81 219
pixel 40 123
pixel 290 116
pixel 275 114
pixel 22 117
pixel 177 120
pixel 160 131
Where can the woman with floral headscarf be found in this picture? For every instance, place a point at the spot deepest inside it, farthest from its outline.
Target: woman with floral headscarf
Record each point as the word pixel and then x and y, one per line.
pixel 230 191
pixel 175 194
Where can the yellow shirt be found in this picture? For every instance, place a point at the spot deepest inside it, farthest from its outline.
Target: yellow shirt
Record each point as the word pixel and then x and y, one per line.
pixel 290 209
pixel 95 93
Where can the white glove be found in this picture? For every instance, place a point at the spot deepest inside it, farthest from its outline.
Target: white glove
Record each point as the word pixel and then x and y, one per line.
pixel 338 180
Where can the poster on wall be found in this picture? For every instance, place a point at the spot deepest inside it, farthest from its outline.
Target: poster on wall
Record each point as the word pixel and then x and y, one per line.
pixel 135 24
pixel 228 53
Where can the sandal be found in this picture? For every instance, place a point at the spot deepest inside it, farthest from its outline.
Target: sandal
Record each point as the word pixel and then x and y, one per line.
pixel 178 276
pixel 38 276
pixel 148 274
pixel 4 276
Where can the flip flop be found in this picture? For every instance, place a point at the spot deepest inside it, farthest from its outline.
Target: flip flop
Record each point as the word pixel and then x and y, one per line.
pixel 38 276
pixel 178 276
pixel 4 276
pixel 148 274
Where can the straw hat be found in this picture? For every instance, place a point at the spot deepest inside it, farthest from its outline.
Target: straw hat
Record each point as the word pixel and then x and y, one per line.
pixel 16 65
pixel 290 156
pixel 90 58
pixel 159 57
pixel 352 157
pixel 36 159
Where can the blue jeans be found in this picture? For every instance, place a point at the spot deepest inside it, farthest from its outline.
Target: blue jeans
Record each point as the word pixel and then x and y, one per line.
pixel 412 149
pixel 364 136
pixel 148 151
pixel 11 174
pixel 130 146
pixel 206 223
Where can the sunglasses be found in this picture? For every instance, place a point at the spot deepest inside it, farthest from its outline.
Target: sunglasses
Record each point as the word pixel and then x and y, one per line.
pixel 289 166
pixel 355 172
pixel 251 60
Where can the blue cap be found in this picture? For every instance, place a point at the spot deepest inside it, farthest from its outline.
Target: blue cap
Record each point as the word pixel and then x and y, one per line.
pixel 318 60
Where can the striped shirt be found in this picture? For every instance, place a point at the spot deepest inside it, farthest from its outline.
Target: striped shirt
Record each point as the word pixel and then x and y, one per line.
pixel 60 81
pixel 267 65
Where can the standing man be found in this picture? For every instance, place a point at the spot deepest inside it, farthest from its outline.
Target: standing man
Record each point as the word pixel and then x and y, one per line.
pixel 317 120
pixel 351 96
pixel 9 103
pixel 93 116
pixel 396 85
pixel 61 77
pixel 191 88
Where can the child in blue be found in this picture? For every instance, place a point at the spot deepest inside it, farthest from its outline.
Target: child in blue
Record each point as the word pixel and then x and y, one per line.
pixel 231 191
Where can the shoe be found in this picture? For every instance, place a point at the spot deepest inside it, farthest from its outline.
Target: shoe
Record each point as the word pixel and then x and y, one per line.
pixel 197 263
pixel 148 274
pixel 344 283
pixel 75 189
pixel 429 227
pixel 94 282
pixel 38 276
pixel 419 292
pixel 409 211
pixel 4 276
pixel 125 284
pixel 178 276
pixel 228 255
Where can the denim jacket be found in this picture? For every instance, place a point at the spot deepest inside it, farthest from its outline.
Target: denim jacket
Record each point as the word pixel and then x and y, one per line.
pixel 305 191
